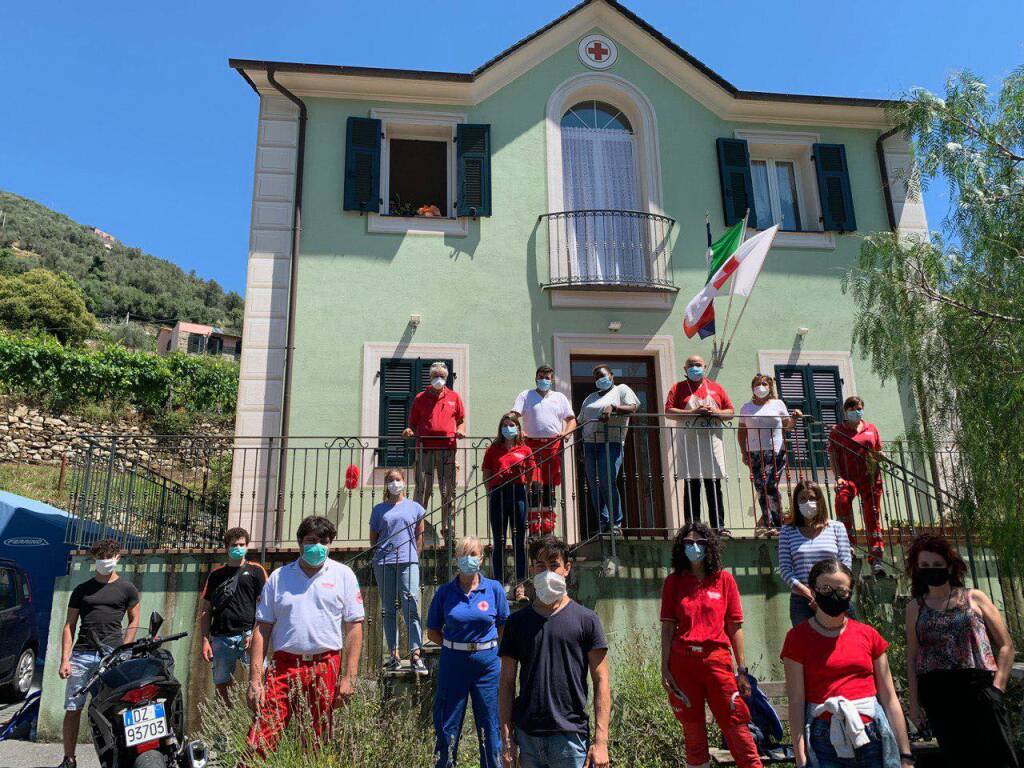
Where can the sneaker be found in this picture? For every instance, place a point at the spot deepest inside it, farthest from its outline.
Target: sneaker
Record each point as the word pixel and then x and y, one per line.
pixel 393 664
pixel 724 533
pixel 878 570
pixel 773 532
pixel 418 667
pixel 68 762
pixel 519 595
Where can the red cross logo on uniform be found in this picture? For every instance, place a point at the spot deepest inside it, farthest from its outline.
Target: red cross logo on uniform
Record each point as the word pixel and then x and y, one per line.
pixel 597 51
pixel 483 605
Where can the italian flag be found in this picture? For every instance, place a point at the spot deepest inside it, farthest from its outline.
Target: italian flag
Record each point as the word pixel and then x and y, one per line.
pixel 730 256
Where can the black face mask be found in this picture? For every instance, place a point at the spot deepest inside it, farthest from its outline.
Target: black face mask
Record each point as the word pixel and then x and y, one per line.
pixel 934 577
pixel 832 604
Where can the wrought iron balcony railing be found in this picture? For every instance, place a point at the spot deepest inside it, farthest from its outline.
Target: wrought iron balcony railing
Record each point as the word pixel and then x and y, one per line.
pixel 607 249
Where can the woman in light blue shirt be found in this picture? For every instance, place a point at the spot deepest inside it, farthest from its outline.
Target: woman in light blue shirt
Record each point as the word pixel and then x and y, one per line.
pixel 396 534
pixel 807 538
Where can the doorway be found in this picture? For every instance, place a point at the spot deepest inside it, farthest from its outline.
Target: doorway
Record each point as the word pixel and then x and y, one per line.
pixel 641 480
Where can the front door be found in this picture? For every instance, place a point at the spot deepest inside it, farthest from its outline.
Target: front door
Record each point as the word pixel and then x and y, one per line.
pixel 641 480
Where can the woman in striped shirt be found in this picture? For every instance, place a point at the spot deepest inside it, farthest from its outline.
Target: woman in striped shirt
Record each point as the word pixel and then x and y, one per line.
pixel 808 537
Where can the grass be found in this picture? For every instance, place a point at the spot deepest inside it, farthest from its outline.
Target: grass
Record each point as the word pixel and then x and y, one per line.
pixel 34 481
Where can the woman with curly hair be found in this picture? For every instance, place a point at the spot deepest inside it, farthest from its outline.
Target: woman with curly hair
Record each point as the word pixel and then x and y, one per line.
pixel 959 657
pixel 701 632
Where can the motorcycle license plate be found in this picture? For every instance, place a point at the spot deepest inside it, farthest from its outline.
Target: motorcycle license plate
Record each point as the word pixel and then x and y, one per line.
pixel 144 724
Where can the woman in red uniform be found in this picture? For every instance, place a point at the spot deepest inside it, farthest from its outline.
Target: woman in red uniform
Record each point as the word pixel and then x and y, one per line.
pixel 701 632
pixel 508 466
pixel 854 450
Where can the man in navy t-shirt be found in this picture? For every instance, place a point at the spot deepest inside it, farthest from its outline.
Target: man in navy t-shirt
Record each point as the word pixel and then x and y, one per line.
pixel 551 646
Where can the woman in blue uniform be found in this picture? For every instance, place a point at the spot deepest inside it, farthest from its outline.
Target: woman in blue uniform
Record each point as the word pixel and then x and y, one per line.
pixel 466 618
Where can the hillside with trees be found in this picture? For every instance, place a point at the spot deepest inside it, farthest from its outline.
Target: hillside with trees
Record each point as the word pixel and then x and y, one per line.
pixel 114 280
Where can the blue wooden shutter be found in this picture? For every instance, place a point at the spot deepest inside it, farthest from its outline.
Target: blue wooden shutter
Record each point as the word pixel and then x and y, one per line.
pixel 473 189
pixel 401 379
pixel 834 188
pixel 362 165
pixel 737 185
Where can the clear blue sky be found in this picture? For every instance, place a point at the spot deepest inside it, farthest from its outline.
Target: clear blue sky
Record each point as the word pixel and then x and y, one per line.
pixel 125 115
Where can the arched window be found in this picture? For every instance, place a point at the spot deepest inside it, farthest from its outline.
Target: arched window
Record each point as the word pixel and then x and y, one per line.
pixel 596 114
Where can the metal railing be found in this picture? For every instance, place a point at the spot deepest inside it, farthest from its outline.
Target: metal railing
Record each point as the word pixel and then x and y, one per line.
pixel 604 249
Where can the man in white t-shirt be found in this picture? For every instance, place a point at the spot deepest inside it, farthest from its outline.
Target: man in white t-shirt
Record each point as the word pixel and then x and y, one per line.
pixel 310 613
pixel 605 418
pixel 547 418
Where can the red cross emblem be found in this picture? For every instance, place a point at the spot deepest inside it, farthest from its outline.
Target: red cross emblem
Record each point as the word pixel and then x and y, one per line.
pixel 597 51
pixel 483 605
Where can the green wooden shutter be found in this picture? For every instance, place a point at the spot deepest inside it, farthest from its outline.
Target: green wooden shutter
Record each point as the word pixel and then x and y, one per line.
pixel 401 379
pixel 792 390
pixel 737 185
pixel 817 390
pixel 473 148
pixel 362 165
pixel 834 188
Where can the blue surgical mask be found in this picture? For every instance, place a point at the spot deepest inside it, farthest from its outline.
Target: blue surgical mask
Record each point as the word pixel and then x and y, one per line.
pixel 237 553
pixel 314 554
pixel 469 564
pixel 695 372
pixel 543 384
pixel 604 383
pixel 694 552
pixel 509 431
pixel 855 416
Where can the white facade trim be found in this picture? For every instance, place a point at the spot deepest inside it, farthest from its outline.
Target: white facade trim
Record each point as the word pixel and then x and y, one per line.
pixel 261 375
pixel 369 423
pixel 767 359
pixel 908 209
pixel 662 349
pixel 580 299
pixel 595 17
pixel 428 126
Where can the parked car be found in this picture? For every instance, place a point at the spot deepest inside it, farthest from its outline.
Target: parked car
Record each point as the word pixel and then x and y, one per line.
pixel 19 634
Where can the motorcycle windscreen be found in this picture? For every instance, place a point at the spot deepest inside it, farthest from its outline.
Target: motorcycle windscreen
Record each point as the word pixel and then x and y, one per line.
pixel 133 672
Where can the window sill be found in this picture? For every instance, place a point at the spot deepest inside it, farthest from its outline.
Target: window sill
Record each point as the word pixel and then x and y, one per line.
pixel 416 225
pixel 581 297
pixel 811 240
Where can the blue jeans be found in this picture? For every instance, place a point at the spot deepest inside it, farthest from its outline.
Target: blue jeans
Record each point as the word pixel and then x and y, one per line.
pixel 508 508
pixel 561 750
pixel 399 582
pixel 463 675
pixel 603 462
pixel 228 650
pixel 868 756
pixel 83 664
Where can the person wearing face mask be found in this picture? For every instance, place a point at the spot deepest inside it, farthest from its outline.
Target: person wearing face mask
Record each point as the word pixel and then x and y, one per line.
pixel 701 632
pixel 547 418
pixel 396 534
pixel 855 451
pixel 101 603
pixel 762 420
pixel 436 420
pixel 605 418
pixel 508 467
pixel 701 405
pixel 807 538
pixel 227 610
pixel 467 618
pixel 550 647
pixel 839 684
pixel 311 614
pixel 959 659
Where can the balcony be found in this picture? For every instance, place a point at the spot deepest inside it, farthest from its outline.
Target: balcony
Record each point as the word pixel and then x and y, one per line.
pixel 609 250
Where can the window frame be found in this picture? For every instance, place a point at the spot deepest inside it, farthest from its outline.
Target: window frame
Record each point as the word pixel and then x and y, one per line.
pixel 774 198
pixel 796 147
pixel 418 125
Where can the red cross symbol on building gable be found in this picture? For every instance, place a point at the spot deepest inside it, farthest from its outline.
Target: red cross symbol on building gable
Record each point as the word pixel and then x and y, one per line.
pixel 597 51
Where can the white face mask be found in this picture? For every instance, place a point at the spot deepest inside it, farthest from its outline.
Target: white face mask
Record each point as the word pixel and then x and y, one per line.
pixel 761 391
pixel 395 487
pixel 808 509
pixel 106 567
pixel 438 382
pixel 550 587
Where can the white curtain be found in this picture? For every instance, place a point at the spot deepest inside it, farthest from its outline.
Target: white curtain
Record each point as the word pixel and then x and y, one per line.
pixel 599 173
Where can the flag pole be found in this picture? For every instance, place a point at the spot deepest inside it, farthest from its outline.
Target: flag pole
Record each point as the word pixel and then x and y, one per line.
pixel 719 359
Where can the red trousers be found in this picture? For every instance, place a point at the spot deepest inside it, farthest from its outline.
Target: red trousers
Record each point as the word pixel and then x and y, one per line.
pixel 704 674
pixel 293 682
pixel 871 502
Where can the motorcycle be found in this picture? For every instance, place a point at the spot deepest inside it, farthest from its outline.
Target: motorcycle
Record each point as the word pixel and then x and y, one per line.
pixel 136 714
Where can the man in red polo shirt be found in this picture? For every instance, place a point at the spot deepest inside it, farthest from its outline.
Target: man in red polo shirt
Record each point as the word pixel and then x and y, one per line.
pixel 436 419
pixel 701 405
